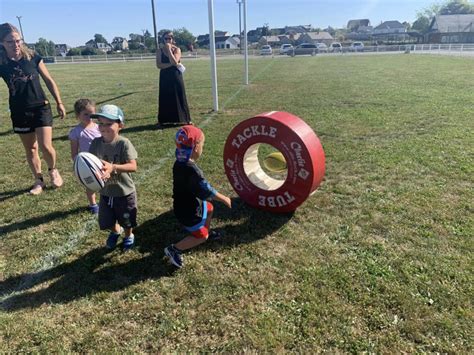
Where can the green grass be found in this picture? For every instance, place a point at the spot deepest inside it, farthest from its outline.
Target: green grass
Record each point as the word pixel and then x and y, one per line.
pixel 379 259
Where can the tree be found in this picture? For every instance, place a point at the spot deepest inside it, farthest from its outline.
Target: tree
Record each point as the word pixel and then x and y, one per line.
pixel 184 39
pixel 266 30
pixel 45 48
pixel 73 52
pixel 424 17
pixel 456 7
pixel 98 38
pixel 89 51
pixel 422 24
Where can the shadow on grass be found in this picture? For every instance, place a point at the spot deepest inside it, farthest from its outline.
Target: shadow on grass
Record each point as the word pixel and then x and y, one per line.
pixel 97 271
pixel 7 133
pixel 36 221
pixel 10 194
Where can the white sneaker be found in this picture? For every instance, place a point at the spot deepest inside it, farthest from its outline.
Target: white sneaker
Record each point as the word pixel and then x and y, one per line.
pixel 56 179
pixel 37 187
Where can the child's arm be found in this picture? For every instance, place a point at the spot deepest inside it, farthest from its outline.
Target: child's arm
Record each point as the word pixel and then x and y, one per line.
pixel 223 198
pixel 74 148
pixel 129 167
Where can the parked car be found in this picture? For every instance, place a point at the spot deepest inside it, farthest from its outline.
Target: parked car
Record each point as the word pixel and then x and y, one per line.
pixel 357 47
pixel 322 48
pixel 266 50
pixel 285 48
pixel 304 48
pixel 335 47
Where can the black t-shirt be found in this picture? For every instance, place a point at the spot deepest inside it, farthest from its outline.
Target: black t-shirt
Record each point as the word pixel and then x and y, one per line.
pixel 23 81
pixel 190 190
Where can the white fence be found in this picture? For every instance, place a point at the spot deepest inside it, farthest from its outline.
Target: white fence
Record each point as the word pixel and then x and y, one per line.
pixel 448 49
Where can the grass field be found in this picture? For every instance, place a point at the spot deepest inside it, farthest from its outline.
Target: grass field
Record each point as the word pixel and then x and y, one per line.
pixel 379 259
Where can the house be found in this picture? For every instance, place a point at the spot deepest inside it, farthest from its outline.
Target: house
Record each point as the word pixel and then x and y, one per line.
pixel 203 40
pixel 389 27
pixel 119 44
pixel 227 42
pixel 298 29
pixel 103 47
pixel 354 25
pixel 451 29
pixel 359 30
pixel 61 49
pixel 273 41
pixel 390 31
pixel 315 37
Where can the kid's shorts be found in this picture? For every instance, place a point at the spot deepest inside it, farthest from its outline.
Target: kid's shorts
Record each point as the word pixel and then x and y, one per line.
pixel 201 230
pixel 27 120
pixel 121 210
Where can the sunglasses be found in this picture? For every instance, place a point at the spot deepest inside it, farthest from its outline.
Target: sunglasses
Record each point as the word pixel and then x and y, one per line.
pixel 167 38
pixel 10 43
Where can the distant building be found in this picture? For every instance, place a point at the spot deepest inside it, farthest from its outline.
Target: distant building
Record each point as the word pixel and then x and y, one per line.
pixel 103 47
pixel 391 31
pixel 354 25
pixel 119 44
pixel 227 42
pixel 315 37
pixel 451 29
pixel 61 49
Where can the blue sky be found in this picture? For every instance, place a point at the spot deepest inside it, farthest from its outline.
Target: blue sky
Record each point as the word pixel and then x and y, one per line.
pixel 76 21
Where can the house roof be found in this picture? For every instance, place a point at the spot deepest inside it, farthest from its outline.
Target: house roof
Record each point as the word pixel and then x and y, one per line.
pixel 321 35
pixel 453 23
pixel 357 23
pixel 272 38
pixel 389 25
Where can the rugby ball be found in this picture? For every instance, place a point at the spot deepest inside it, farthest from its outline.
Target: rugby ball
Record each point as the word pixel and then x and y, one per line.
pixel 88 170
pixel 275 162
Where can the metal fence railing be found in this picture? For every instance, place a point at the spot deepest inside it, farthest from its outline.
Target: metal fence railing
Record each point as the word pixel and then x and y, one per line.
pixel 450 49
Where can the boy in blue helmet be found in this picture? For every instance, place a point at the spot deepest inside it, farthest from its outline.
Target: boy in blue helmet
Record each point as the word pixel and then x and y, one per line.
pixel 191 193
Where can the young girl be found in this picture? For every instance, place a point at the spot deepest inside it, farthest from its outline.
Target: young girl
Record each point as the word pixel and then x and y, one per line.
pixel 81 137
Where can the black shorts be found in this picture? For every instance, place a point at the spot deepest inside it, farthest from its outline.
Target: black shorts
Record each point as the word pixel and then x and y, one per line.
pixel 27 120
pixel 121 210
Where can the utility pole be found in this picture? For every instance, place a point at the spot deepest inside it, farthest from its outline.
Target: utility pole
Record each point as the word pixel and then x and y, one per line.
pixel 21 29
pixel 240 24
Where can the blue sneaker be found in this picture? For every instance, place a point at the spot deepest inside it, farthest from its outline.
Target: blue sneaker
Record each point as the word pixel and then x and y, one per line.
pixel 174 255
pixel 128 242
pixel 94 209
pixel 112 240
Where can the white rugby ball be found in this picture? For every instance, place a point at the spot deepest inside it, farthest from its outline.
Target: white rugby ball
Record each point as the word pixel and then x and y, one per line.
pixel 88 170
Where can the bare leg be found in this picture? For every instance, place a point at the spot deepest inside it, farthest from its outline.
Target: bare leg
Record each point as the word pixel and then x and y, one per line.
pixel 45 141
pixel 91 197
pixel 116 228
pixel 189 242
pixel 31 149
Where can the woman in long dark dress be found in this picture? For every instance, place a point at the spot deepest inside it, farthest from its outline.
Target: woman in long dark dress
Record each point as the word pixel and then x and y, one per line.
pixel 173 107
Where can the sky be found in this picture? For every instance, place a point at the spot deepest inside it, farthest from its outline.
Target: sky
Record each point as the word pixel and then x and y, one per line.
pixel 74 22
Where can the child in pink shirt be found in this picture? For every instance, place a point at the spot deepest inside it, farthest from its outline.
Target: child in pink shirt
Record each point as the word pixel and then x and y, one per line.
pixel 81 137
